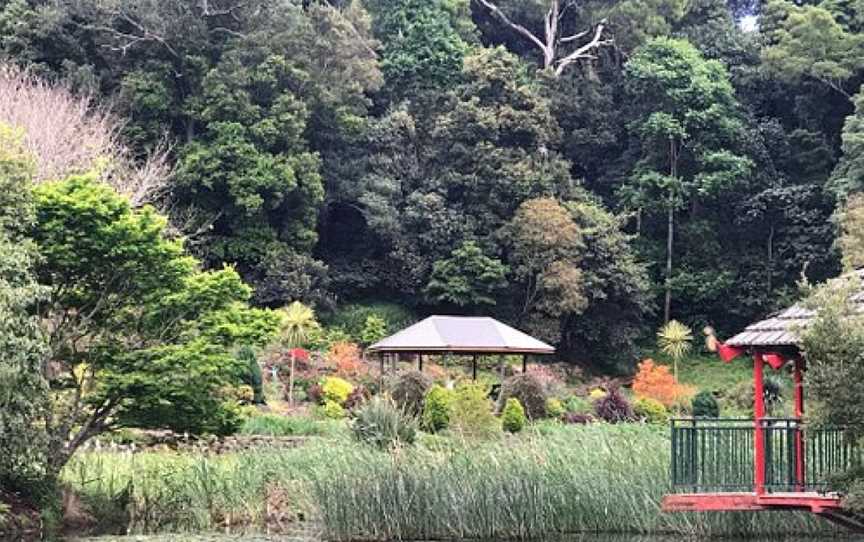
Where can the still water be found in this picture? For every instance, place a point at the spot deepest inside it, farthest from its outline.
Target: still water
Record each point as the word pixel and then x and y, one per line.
pixel 581 538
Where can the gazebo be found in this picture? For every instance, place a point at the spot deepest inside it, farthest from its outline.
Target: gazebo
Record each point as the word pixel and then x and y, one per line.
pixel 460 335
pixel 763 463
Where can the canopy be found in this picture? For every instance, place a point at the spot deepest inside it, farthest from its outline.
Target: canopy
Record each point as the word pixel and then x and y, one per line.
pixel 461 334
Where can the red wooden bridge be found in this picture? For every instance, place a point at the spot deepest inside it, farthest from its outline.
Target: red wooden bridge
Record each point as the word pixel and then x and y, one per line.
pixel 763 463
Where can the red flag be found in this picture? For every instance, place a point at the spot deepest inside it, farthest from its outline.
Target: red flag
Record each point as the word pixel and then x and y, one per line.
pixel 728 353
pixel 774 360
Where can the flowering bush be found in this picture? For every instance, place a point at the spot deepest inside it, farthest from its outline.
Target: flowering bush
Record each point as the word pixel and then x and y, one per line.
pixel 597 394
pixel 657 382
pixel 336 389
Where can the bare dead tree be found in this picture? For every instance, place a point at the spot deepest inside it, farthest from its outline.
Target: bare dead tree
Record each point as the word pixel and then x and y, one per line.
pixel 68 133
pixel 559 51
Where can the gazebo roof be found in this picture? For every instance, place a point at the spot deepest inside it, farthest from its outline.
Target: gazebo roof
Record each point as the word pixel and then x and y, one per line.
pixel 781 328
pixel 462 334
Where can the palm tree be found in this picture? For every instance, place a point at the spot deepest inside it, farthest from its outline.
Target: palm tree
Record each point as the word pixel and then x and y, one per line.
pixel 298 321
pixel 675 340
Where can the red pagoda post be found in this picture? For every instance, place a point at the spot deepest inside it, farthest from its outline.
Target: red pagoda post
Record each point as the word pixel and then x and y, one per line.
pixel 758 416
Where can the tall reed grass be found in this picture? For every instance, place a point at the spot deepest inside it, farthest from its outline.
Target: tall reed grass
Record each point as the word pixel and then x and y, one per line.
pixel 595 478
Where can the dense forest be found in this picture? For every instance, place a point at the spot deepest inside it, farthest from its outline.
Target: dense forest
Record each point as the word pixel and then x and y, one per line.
pixel 582 169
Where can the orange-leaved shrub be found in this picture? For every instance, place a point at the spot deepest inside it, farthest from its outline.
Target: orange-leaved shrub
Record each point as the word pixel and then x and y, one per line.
pixel 657 382
pixel 345 358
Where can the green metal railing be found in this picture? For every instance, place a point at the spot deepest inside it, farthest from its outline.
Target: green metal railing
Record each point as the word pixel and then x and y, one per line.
pixel 717 454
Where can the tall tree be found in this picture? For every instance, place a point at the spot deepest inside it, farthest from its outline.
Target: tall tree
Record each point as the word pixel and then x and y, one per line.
pixel 560 44
pixel 685 126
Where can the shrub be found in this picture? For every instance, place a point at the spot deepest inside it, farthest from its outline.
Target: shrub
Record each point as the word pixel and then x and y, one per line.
pixel 374 329
pixel 315 394
pixel 437 408
pixel 577 418
pixel 359 395
pixel 552 382
pixel 333 410
pixel 345 358
pixel 657 382
pixel 529 390
pixel 578 405
pixel 650 410
pixel 554 408
pixel 381 423
pixel 252 373
pixel 472 410
pixel 336 389
pixel 705 405
pixel 596 394
pixel 513 416
pixel 614 407
pixel 408 391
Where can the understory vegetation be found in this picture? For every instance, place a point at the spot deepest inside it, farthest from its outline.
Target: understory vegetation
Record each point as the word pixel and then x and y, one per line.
pixel 551 479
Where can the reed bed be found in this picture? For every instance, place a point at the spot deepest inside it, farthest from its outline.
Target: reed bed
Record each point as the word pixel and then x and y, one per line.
pixel 550 481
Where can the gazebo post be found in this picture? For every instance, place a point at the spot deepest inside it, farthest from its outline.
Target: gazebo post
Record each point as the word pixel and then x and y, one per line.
pixel 759 415
pixel 474 367
pixel 524 363
pixel 420 362
pixel 799 415
pixel 381 362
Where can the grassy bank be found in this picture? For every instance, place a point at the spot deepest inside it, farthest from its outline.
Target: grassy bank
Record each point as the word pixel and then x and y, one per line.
pixel 552 480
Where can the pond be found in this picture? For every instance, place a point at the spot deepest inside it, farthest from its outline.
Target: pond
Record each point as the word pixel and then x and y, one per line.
pixel 581 538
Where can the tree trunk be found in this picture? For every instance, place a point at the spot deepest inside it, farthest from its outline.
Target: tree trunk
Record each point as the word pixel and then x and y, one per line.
pixel 670 237
pixel 291 382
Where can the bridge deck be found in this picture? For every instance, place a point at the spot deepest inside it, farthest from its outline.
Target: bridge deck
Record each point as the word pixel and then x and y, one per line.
pixel 810 501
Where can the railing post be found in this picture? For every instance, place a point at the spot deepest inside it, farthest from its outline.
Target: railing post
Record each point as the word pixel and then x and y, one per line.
pixel 799 416
pixel 759 415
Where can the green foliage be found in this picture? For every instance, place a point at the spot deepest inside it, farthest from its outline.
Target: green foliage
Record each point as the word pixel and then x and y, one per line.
pixel 274 425
pixel 848 176
pixel 374 329
pixel 336 389
pixel 409 390
pixel 437 408
pixel 472 413
pixel 513 416
pixel 546 246
pixel 381 423
pixel 467 278
pixel 851 240
pixel 352 317
pixel 834 343
pixel 422 50
pixel 808 42
pixel 333 410
pixel 159 331
pixel 579 405
pixel 650 410
pixel 252 377
pixel 528 389
pixel 554 407
pixel 705 405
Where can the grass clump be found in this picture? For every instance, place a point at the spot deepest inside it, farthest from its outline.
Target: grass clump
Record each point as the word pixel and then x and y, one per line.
pixel 381 423
pixel 274 425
